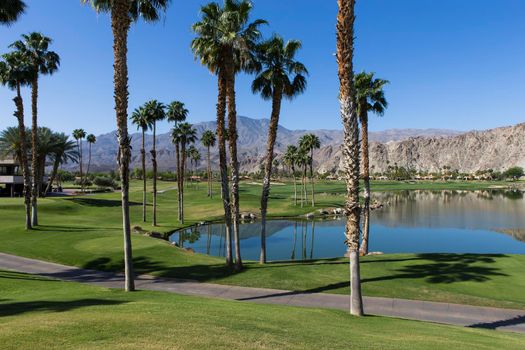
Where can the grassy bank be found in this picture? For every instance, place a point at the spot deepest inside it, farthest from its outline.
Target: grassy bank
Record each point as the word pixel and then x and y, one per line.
pixel 40 313
pixel 85 231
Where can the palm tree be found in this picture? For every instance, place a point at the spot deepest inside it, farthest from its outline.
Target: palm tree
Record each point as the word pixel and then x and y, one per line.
pixel 303 159
pixel 155 111
pixel 15 73
pixel 370 98
pixel 290 159
pixel 279 75
pixel 140 119
pixel 350 147
pixel 64 150
pixel 195 157
pixel 35 48
pixel 208 140
pixel 11 10
pixel 225 44
pixel 184 134
pixel 177 113
pixel 123 13
pixel 91 139
pixel 309 142
pixel 79 135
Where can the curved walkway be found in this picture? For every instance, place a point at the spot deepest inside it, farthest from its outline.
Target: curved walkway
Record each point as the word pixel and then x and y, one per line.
pixel 463 315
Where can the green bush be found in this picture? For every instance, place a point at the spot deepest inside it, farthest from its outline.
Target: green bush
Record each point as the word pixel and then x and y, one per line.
pixel 104 181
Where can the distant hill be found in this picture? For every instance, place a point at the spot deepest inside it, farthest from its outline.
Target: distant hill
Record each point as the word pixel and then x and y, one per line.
pixel 426 149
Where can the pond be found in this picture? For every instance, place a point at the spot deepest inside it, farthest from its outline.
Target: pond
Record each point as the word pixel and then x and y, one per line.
pixel 490 221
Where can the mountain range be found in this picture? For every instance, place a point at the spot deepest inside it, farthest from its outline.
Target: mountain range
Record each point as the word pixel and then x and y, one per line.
pixel 422 149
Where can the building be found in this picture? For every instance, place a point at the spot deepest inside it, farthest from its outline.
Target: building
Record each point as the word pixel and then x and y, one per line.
pixel 11 179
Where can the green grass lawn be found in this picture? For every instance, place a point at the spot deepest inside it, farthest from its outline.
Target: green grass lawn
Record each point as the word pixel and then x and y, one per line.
pixel 37 313
pixel 85 231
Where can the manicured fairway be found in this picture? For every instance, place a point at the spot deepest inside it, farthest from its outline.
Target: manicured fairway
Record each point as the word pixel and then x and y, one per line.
pixel 85 231
pixel 36 313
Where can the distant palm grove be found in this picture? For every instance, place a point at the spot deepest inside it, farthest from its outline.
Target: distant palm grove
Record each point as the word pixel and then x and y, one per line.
pixel 227 42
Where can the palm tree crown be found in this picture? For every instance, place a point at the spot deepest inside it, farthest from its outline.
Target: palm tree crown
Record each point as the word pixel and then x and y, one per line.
pixel 278 69
pixel 176 112
pixel 35 47
pixel 91 138
pixel 184 133
pixel 148 10
pixel 140 119
pixel 224 34
pixel 15 70
pixel 290 156
pixel 309 142
pixel 10 11
pixel 370 94
pixel 155 111
pixel 208 138
pixel 79 134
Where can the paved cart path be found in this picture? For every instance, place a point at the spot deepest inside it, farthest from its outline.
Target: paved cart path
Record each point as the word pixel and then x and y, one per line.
pixel 463 315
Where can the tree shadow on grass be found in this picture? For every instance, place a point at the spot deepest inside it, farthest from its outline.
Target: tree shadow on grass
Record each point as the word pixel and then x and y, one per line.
pixel 447 268
pixel 18 308
pixel 22 276
pixel 98 202
pixel 64 228
pixel 514 321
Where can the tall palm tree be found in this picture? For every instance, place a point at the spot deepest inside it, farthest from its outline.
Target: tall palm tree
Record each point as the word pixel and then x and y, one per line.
pixel 155 111
pixel 177 113
pixel 303 159
pixel 45 148
pixel 184 134
pixel 280 75
pixel 123 13
pixel 290 159
pixel 309 142
pixel 208 140
pixel 225 44
pixel 35 47
pixel 370 98
pixel 79 135
pixel 140 119
pixel 195 157
pixel 64 150
pixel 91 139
pixel 347 99
pixel 11 10
pixel 15 73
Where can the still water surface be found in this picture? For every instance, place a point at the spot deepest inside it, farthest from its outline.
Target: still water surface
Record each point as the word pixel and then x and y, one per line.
pixel 411 221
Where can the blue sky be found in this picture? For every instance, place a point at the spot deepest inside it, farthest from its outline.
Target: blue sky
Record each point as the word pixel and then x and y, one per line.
pixel 456 64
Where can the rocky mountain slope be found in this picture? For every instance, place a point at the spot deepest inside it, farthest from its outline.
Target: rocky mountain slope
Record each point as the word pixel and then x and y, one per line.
pixel 428 149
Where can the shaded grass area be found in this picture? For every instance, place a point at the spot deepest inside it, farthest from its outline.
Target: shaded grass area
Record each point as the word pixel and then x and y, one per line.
pixel 40 313
pixel 85 231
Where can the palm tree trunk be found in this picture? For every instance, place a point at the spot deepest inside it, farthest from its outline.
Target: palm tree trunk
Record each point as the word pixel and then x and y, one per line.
pixel 183 169
pixel 179 181
pixel 345 53
pixel 144 181
pixel 312 175
pixel 272 135
pixel 294 185
pixel 34 146
pixel 89 162
pixel 23 157
pixel 210 183
pixel 366 176
pixel 234 164
pixel 154 163
pixel 313 238
pixel 56 164
pixel 120 23
pixel 80 150
pixel 294 240
pixel 225 191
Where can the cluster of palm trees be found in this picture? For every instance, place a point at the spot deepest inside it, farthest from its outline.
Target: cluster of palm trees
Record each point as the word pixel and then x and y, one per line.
pixel 29 59
pixel 302 157
pixel 227 43
pixel 79 135
pixel 53 147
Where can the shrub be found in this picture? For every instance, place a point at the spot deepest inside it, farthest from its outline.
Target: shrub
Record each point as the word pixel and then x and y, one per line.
pixel 104 181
